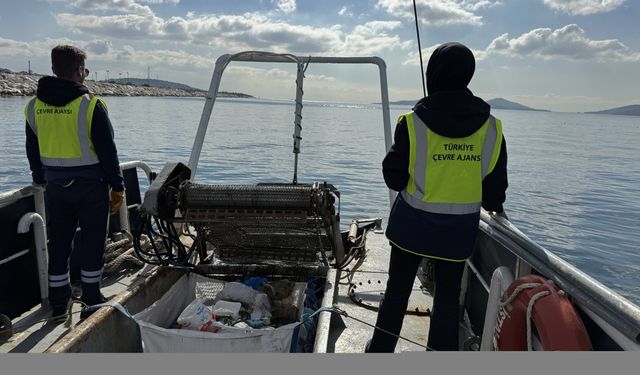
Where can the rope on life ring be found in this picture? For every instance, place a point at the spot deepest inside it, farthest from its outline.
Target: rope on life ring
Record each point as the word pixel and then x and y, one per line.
pixel 535 299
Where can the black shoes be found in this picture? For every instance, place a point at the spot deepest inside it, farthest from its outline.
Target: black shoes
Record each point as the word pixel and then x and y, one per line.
pixel 60 314
pixel 87 311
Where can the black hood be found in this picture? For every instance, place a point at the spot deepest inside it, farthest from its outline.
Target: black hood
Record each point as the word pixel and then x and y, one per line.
pixel 451 67
pixel 59 92
pixel 451 109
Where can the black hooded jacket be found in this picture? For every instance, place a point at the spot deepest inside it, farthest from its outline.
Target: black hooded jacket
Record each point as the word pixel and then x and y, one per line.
pixel 450 110
pixel 59 92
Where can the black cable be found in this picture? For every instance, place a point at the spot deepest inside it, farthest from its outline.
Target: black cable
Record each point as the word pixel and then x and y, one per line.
pixel 352 296
pixel 415 16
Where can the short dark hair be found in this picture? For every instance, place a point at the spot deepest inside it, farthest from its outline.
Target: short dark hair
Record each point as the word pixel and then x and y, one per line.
pixel 65 59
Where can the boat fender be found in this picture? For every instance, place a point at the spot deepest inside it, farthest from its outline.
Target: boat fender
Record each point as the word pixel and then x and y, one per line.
pixel 534 301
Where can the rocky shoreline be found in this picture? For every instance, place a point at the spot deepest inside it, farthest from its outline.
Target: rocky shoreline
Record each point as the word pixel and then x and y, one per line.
pixel 23 84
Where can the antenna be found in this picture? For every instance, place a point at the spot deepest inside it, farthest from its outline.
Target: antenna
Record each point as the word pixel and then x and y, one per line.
pixel 415 16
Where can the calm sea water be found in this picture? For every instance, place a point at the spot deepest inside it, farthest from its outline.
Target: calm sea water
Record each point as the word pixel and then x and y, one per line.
pixel 574 178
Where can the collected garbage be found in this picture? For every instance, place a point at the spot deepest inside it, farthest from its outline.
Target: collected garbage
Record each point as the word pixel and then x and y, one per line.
pixel 257 303
pixel 193 317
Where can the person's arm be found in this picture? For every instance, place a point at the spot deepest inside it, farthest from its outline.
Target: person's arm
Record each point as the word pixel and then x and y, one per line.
pixel 33 155
pixel 494 185
pixel 395 166
pixel 105 146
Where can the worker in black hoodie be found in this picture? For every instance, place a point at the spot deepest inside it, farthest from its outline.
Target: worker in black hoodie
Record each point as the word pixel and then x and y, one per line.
pixel 72 152
pixel 449 158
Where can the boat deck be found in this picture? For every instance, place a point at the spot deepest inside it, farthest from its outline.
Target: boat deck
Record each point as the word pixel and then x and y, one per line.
pixel 33 333
pixel 348 335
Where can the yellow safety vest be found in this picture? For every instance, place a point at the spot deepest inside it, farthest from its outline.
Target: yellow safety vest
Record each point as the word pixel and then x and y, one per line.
pixel 64 133
pixel 445 174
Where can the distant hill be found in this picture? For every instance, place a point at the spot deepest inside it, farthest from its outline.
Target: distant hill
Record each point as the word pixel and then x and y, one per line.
pixel 403 102
pixel 497 103
pixel 500 103
pixel 143 82
pixel 25 84
pixel 153 83
pixel 172 85
pixel 627 110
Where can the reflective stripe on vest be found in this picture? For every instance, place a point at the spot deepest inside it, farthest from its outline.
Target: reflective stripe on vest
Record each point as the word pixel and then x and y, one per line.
pixel 64 141
pixel 30 115
pixel 423 184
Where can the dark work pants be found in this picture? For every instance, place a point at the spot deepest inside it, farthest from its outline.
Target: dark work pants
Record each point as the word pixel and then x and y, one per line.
pixel 69 203
pixel 443 331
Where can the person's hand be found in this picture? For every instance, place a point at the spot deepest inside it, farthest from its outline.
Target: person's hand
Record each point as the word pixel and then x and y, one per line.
pixel 117 197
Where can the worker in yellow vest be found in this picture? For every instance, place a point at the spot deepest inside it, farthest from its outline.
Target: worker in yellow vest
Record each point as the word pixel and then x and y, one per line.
pixel 72 152
pixel 449 159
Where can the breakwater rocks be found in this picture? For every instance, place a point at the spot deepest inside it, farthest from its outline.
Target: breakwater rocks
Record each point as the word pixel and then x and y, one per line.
pixel 22 84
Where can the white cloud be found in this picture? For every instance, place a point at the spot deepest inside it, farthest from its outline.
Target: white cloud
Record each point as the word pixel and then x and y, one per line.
pixel 569 42
pixel 99 47
pixel 160 57
pixel 439 12
pixel 13 48
pixel 414 59
pixel 40 49
pixel 345 12
pixel 371 37
pixel 172 2
pixel 475 5
pixel 122 6
pixel 285 6
pixel 241 32
pixel 100 50
pixel 126 26
pixel 584 7
pixel 286 76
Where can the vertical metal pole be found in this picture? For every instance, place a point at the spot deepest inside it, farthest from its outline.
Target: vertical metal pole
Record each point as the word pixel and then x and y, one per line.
pixel 221 64
pixel 297 122
pixel 386 116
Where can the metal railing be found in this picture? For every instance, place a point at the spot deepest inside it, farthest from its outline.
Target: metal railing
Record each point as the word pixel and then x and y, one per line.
pixel 616 315
pixel 38 220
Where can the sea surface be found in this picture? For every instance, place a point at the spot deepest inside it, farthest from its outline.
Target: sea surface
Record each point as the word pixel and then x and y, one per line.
pixel 574 179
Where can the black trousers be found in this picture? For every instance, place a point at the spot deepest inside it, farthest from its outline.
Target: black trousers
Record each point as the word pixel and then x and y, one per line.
pixel 443 332
pixel 69 203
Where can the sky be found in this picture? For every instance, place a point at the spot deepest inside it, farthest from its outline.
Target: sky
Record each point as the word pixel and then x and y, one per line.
pixel 561 55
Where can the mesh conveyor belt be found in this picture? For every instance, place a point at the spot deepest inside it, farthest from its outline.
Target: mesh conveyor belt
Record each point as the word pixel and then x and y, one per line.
pixel 247 196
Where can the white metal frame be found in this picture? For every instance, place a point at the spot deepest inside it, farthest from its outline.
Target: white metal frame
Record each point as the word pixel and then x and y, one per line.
pixel 268 57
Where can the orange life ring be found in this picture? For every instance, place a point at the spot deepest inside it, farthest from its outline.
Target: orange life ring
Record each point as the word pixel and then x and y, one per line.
pixel 557 323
